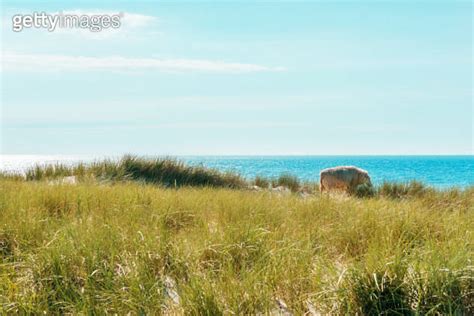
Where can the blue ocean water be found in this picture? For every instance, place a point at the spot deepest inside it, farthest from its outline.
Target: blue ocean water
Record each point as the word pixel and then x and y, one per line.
pixel 437 171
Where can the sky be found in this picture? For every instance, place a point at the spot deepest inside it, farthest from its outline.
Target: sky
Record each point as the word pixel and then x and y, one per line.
pixel 241 78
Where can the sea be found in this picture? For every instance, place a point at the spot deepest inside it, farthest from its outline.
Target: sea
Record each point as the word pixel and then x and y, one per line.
pixel 436 171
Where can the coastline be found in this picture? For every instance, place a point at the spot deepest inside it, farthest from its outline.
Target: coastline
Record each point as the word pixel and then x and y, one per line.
pixel 439 171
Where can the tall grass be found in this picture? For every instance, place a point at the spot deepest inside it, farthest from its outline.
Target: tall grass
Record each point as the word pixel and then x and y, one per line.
pixel 169 172
pixel 164 171
pixel 262 182
pixel 96 248
pixel 400 190
pixel 289 181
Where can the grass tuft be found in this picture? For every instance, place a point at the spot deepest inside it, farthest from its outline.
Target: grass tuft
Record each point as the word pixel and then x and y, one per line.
pixel 289 181
pixel 262 182
pixel 403 190
pixel 364 191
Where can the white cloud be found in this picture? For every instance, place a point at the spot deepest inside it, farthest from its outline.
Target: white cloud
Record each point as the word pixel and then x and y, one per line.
pixel 33 62
pixel 137 20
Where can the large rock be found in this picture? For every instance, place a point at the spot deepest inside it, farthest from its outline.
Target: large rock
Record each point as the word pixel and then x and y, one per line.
pixel 343 178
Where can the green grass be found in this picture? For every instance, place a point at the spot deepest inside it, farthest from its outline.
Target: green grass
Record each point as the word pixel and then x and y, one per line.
pixel 112 246
pixel 262 182
pixel 400 190
pixel 172 173
pixel 289 181
pixel 167 172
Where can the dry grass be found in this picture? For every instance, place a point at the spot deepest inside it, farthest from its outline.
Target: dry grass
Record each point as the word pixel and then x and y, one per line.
pixel 116 247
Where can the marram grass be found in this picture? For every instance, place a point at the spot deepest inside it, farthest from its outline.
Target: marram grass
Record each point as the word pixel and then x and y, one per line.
pixel 167 172
pixel 156 236
pixel 119 247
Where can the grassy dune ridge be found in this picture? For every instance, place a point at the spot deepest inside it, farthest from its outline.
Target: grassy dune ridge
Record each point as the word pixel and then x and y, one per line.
pixel 168 172
pixel 117 246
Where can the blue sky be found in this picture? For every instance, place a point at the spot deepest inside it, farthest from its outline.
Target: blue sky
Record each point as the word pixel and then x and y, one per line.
pixel 357 77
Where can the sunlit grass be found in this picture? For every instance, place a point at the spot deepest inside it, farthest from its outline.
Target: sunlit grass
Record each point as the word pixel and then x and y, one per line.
pixel 114 246
pixel 167 172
